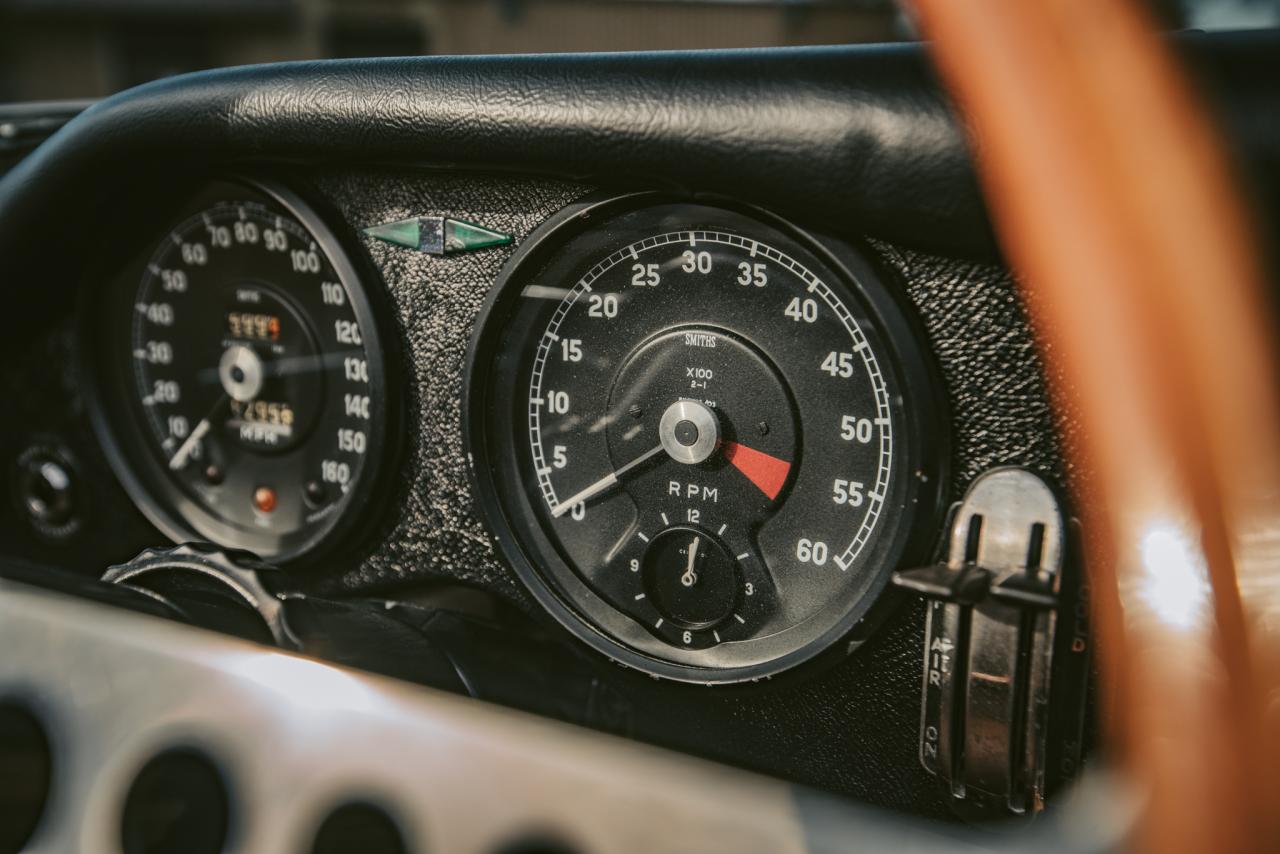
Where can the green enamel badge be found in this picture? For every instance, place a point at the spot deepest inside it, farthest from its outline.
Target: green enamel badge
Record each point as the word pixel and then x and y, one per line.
pixel 438 235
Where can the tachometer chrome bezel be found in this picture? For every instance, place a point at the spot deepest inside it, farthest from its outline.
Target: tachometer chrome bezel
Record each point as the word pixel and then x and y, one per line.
pixel 926 460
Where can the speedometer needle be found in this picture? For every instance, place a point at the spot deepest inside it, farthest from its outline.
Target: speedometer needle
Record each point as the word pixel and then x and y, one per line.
pixel 602 484
pixel 179 459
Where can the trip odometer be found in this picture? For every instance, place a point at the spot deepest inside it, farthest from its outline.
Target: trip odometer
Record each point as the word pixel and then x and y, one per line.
pixel 701 436
pixel 250 371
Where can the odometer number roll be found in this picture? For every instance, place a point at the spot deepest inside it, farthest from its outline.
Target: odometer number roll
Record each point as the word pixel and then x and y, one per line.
pixel 705 439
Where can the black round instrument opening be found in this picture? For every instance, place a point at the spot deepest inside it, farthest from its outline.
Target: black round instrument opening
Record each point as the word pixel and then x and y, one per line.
pixel 359 827
pixel 178 804
pixel 537 843
pixel 26 769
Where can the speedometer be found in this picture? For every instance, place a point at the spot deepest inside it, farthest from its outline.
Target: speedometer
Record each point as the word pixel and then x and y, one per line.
pixel 248 400
pixel 704 439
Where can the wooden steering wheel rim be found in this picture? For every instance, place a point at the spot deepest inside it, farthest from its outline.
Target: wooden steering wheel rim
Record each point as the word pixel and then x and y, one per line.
pixel 1115 203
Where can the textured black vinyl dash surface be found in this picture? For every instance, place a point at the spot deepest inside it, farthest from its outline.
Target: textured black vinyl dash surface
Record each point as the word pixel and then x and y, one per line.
pixel 991 366
pixel 434 532
pixel 850 728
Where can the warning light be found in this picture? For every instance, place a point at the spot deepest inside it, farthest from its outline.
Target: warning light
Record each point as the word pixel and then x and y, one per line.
pixel 264 498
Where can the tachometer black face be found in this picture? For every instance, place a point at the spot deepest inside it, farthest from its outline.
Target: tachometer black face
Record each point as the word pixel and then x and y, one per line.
pixel 702 437
pixel 250 371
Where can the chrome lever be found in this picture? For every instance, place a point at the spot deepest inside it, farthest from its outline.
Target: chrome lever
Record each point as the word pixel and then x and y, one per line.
pixel 993 619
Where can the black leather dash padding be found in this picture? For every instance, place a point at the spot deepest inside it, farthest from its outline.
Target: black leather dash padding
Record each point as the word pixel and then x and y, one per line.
pixel 856 133
pixel 861 135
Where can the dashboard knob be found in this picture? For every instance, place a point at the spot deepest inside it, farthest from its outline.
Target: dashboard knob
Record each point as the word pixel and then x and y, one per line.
pixel 46 490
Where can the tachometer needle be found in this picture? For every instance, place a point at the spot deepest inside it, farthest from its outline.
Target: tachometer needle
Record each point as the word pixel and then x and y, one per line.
pixel 766 471
pixel 179 459
pixel 602 484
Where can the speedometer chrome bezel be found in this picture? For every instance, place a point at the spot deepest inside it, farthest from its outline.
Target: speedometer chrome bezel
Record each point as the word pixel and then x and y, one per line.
pixel 124 436
pixel 514 526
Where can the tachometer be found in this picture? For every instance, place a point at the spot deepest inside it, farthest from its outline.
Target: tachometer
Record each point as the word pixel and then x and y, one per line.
pixel 704 439
pixel 252 401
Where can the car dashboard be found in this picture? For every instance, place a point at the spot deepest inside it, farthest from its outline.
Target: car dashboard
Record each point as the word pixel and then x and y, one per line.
pixel 649 393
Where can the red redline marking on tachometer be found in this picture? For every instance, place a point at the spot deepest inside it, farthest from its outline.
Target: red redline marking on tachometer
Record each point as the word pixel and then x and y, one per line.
pixel 767 472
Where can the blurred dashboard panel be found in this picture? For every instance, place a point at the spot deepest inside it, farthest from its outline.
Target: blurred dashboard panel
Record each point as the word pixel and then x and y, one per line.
pixel 78 48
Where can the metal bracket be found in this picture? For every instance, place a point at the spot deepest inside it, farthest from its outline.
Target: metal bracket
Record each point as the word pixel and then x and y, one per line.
pixel 236 572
